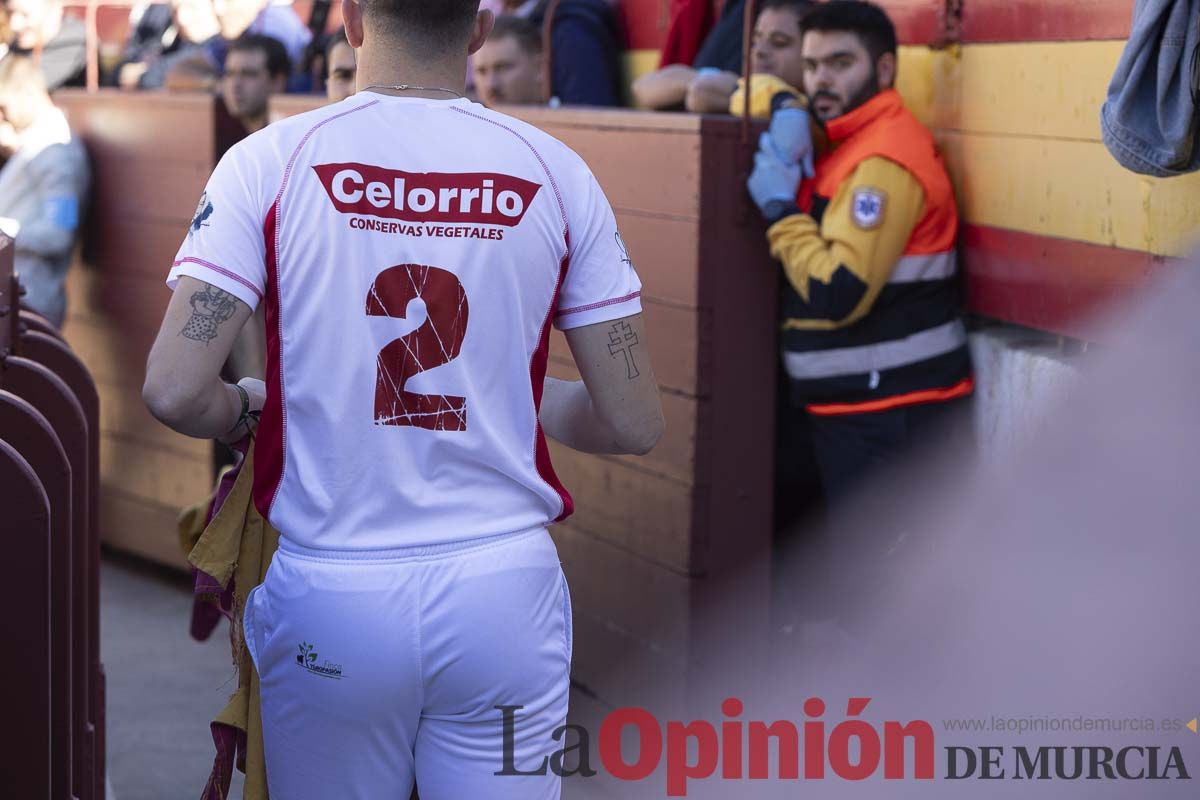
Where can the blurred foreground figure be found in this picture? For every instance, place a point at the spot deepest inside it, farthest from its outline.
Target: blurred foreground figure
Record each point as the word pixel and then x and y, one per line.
pixel 43 185
pixel 62 41
pixel 1043 606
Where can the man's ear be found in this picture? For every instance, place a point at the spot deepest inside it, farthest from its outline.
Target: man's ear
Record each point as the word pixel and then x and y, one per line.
pixel 885 68
pixel 352 19
pixel 485 20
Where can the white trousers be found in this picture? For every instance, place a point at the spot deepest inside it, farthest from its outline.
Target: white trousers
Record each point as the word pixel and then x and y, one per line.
pixel 384 667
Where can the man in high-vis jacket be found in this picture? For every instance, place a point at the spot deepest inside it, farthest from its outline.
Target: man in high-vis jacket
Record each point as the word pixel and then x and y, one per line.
pixel 872 340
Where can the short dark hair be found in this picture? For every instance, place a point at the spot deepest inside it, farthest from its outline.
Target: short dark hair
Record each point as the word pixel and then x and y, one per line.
pixel 866 20
pixel 800 7
pixel 528 35
pixel 278 62
pixel 428 25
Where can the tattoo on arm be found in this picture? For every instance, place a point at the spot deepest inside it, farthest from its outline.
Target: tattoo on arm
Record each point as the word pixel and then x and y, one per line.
pixel 210 307
pixel 621 340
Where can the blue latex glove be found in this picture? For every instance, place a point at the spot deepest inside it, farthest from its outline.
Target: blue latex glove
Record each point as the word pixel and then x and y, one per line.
pixel 773 177
pixel 791 135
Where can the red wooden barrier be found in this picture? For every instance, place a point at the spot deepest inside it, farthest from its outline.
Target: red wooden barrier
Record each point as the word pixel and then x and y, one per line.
pixel 25 768
pixel 36 322
pixel 50 395
pixel 49 414
pixel 54 354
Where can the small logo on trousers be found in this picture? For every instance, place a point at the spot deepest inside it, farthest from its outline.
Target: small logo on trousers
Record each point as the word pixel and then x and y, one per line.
pixel 307 659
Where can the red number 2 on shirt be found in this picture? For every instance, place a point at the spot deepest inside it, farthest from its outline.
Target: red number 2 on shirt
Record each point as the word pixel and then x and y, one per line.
pixel 438 341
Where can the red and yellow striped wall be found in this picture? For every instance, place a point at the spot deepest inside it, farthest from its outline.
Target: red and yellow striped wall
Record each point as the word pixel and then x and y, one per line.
pixel 1054 227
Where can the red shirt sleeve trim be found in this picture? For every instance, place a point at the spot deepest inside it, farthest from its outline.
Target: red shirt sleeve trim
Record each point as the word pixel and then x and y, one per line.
pixel 590 306
pixel 189 260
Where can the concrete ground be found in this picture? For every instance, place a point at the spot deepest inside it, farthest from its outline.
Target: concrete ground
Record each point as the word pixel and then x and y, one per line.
pixel 164 688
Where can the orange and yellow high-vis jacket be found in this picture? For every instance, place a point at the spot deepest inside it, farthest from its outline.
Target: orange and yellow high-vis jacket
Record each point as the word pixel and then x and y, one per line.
pixel 871 312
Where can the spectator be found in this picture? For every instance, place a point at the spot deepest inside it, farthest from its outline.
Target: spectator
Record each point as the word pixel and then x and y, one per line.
pixel 341 67
pixel 873 344
pixel 716 68
pixel 151 33
pixel 39 25
pixel 196 45
pixel 584 49
pixel 43 184
pixel 509 68
pixel 266 18
pixel 776 61
pixel 256 67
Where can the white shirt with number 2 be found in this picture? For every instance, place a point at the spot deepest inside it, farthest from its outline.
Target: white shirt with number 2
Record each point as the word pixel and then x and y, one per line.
pixel 412 255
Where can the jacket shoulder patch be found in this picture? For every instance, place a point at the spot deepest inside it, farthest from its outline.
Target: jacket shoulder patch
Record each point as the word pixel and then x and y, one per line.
pixel 867 207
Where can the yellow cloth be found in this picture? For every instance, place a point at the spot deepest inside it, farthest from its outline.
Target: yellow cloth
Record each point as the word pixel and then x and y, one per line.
pixel 812 253
pixel 763 88
pixel 239 544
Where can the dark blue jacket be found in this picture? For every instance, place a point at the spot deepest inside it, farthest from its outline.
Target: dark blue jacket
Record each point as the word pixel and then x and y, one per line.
pixel 585 52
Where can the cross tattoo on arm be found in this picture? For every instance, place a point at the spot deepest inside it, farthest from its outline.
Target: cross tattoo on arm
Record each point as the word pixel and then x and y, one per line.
pixel 622 339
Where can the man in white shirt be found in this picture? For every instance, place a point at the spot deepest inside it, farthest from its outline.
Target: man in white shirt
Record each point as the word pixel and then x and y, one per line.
pixel 412 251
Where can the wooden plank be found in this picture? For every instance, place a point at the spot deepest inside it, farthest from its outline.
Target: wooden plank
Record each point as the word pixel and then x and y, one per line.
pixel 144 529
pixel 674 455
pixel 127 304
pixel 289 105
pixel 170 126
pixel 1044 20
pixel 664 253
pixel 648 515
pixel 153 474
pixel 1062 87
pixel 148 187
pixel 124 415
pixel 622 163
pixel 735 428
pixel 114 354
pixel 1050 284
pixel 124 245
pixel 673 334
pixel 1070 190
pixel 649 603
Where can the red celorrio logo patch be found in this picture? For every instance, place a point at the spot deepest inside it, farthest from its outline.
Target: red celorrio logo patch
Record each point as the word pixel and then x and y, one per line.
pixel 485 198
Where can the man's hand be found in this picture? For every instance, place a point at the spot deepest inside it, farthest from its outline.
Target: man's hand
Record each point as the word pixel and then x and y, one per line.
pixel 774 181
pixel 709 92
pixel 791 135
